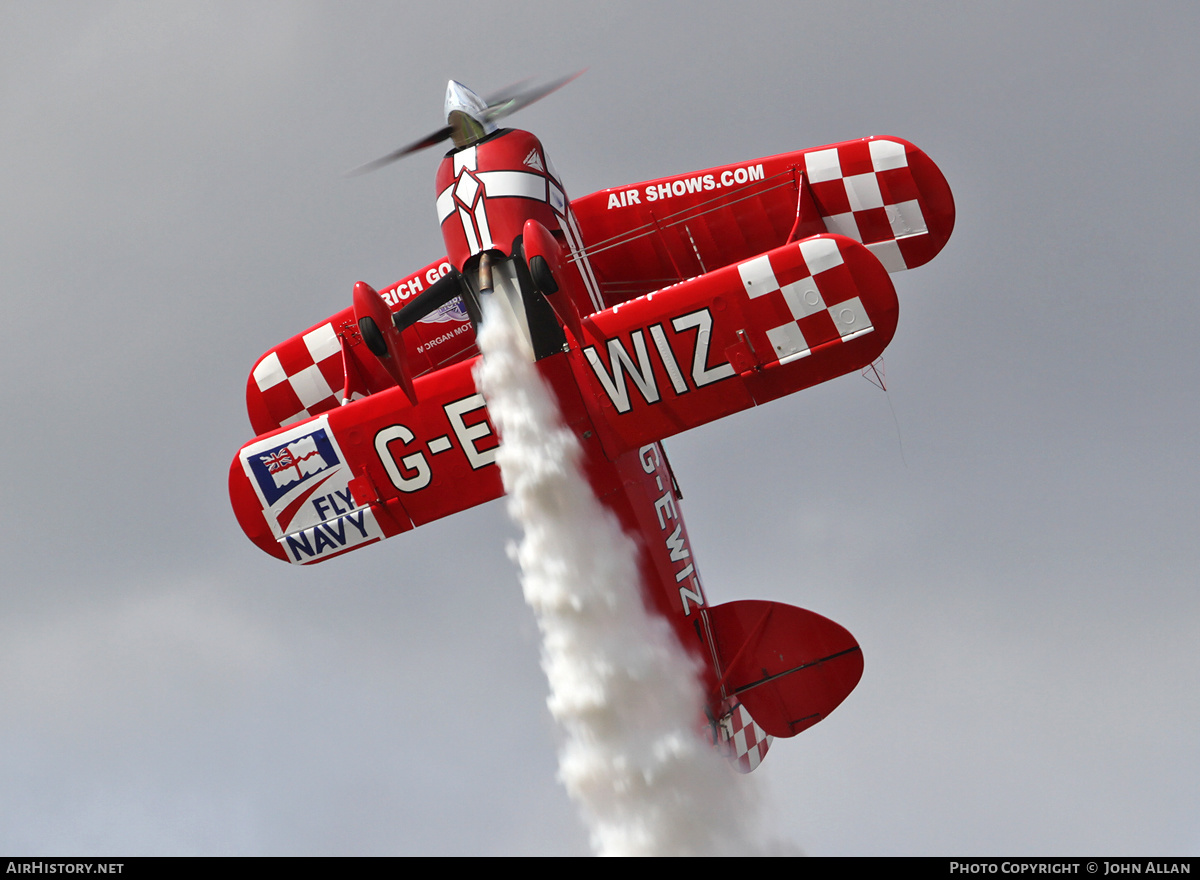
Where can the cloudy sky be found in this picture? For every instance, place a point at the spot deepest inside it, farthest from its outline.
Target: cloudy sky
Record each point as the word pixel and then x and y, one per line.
pixel 1011 532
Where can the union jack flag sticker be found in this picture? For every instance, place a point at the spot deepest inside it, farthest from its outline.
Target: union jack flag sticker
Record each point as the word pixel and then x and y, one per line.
pixel 280 469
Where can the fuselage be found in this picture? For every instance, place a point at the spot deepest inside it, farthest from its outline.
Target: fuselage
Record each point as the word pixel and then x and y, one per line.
pixel 486 195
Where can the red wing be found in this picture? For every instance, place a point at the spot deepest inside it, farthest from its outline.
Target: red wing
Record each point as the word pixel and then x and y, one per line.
pixel 883 192
pixel 368 470
pixel 315 370
pixel 782 321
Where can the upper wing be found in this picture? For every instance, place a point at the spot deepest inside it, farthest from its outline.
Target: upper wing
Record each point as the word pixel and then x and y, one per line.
pixel 880 191
pixel 314 371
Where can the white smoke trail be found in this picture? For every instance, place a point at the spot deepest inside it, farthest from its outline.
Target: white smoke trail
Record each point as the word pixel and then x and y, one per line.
pixel 622 688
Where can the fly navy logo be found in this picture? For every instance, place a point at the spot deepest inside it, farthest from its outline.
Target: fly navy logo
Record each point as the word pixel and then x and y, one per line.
pixel 281 469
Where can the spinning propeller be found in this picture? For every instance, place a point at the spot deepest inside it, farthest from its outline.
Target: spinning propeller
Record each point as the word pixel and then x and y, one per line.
pixel 470 117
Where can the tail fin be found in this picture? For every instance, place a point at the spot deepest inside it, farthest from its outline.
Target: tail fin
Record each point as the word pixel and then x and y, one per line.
pixel 787 666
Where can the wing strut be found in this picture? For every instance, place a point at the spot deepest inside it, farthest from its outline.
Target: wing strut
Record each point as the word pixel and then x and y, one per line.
pixel 808 218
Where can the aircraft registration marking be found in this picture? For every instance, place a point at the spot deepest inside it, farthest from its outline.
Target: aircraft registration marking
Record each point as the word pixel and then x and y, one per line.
pixel 638 366
pixel 470 426
pixel 690 592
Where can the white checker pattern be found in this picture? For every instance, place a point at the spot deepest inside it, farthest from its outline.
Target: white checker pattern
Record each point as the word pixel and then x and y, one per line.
pixel 906 218
pixel 310 386
pixel 888 253
pixel 269 372
pixel 748 743
pixel 758 277
pixel 843 224
pixel 864 195
pixel 307 384
pixel 851 319
pixel 789 343
pixel 322 342
pixel 820 254
pixel 863 192
pixel 804 298
pixel 888 155
pixel 822 165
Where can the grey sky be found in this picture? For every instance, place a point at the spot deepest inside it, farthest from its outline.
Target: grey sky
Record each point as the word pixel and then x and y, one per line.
pixel 1019 560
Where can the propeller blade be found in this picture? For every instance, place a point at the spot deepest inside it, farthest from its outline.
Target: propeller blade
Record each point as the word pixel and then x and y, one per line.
pixel 508 101
pixel 436 138
pixel 503 103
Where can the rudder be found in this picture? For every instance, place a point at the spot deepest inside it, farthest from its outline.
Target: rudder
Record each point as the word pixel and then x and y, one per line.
pixel 789 667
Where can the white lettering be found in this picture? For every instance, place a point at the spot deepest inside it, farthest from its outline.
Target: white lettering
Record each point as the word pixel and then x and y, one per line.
pixel 469 434
pixel 678 547
pixel 696 595
pixel 415 462
pixel 702 374
pixel 665 504
pixel 668 358
pixel 615 385
pixel 686 185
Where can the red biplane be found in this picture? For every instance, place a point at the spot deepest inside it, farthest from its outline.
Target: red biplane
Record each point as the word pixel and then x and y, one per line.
pixel 650 309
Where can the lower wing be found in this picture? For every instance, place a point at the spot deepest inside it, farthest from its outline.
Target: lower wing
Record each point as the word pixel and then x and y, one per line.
pixel 368 470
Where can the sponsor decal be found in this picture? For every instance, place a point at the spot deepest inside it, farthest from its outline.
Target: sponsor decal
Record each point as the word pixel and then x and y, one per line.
pixel 657 192
pixel 303 483
pixel 332 537
pixel 278 470
pixel 452 311
pixel 395 295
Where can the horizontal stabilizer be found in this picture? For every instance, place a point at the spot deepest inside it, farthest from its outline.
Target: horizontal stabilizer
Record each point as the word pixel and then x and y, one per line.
pixel 789 667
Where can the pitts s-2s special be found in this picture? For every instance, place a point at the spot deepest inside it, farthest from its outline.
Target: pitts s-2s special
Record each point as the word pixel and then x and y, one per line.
pixel 650 309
